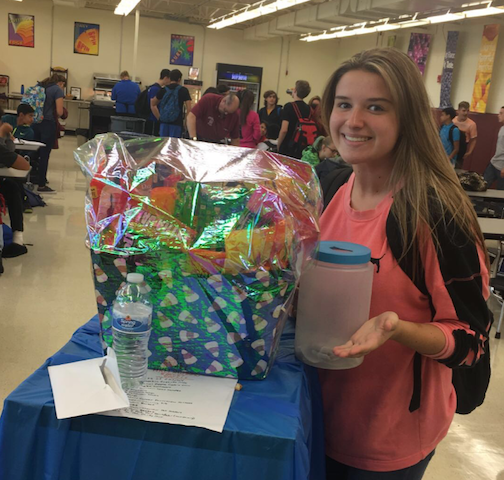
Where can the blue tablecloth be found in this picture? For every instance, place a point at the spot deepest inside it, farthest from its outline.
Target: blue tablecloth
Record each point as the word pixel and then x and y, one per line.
pixel 273 431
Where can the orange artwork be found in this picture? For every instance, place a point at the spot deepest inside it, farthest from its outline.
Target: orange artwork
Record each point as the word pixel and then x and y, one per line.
pixel 21 30
pixel 485 67
pixel 86 38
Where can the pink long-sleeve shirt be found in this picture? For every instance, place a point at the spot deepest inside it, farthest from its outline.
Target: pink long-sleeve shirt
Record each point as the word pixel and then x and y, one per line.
pixel 368 424
pixel 251 131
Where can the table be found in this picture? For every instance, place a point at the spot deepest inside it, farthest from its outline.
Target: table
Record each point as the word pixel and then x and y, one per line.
pixel 28 146
pixel 490 194
pixel 273 431
pixel 489 203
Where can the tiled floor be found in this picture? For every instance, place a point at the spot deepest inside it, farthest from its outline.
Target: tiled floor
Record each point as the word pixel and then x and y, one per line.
pixel 37 318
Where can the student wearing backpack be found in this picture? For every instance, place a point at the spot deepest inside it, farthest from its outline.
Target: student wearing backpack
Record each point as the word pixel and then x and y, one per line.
pixel 449 134
pixel 143 102
pixel 168 106
pixel 298 129
pixel 270 113
pixel 428 315
pixel 45 130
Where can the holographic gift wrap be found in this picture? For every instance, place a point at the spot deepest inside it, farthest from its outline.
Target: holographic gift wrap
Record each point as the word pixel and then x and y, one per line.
pixel 220 234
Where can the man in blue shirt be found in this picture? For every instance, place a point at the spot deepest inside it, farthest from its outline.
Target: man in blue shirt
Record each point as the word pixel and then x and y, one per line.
pixel 450 134
pixel 125 94
pixel 152 125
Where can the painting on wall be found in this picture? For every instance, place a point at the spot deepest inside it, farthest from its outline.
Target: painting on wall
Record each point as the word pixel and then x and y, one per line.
pixel 182 50
pixel 21 30
pixel 86 38
pixel 418 49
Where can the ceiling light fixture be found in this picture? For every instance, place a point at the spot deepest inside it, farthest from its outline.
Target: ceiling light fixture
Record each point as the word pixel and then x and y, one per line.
pixel 408 21
pixel 126 6
pixel 256 10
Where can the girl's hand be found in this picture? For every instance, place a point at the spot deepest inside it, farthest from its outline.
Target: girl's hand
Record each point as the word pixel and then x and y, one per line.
pixel 374 333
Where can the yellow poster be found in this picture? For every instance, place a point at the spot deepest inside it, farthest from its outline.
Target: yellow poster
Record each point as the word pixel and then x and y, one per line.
pixel 485 67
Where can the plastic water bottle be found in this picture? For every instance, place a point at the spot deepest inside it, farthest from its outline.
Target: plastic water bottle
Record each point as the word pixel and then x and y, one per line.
pixel 131 327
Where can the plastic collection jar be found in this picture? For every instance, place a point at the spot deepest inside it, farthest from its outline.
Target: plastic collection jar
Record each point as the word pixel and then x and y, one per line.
pixel 334 301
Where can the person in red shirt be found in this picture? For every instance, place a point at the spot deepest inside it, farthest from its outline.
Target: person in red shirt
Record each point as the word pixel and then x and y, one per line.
pixel 249 120
pixel 214 119
pixel 384 418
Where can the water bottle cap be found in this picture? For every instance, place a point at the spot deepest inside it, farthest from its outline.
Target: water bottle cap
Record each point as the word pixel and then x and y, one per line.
pixel 135 278
pixel 343 253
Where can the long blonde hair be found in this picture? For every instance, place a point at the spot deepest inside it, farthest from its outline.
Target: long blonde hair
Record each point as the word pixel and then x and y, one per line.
pixel 422 175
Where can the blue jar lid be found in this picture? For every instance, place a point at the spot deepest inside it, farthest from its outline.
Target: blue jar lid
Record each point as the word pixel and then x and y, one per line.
pixel 343 253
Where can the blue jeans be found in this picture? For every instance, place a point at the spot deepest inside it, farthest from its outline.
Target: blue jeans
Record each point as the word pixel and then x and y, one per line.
pixel 45 132
pixel 168 130
pixel 491 174
pixel 338 471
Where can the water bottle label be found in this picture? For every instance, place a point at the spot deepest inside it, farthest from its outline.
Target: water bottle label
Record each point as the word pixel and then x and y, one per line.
pixel 129 324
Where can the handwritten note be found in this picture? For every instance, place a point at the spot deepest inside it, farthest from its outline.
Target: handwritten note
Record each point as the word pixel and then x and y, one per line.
pixel 181 399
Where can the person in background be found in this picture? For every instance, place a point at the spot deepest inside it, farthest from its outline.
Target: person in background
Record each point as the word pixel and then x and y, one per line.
pixel 270 143
pixel 449 134
pixel 171 126
pixel 290 118
pixel 467 127
pixel 21 123
pixel 222 89
pixel 322 148
pixel 264 131
pixel 314 102
pixel 495 169
pixel 125 94
pixel 152 124
pixel 12 192
pixel 210 90
pixel 271 111
pixel 428 314
pixel 45 131
pixel 215 119
pixel 249 120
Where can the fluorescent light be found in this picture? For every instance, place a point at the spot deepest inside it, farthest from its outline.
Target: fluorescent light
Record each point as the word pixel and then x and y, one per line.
pixel 125 7
pixel 253 11
pixel 387 27
pixel 483 12
pixel 447 17
pixel 413 23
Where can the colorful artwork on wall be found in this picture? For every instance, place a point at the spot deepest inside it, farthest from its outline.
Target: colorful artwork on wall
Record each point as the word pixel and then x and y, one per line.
pixel 418 49
pixel 182 50
pixel 449 61
pixel 485 67
pixel 21 30
pixel 86 38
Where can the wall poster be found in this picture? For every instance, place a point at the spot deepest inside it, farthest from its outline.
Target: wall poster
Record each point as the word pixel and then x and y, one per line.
pixel 418 49
pixel 182 50
pixel 485 67
pixel 449 61
pixel 86 38
pixel 21 30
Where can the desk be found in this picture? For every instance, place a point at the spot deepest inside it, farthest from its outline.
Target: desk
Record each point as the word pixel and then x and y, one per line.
pixel 489 203
pixel 268 433
pixel 28 146
pixel 490 194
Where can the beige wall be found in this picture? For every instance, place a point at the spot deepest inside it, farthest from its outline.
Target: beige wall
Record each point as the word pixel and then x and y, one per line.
pixel 283 61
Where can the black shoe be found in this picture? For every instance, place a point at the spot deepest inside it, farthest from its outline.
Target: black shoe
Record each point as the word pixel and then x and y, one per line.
pixel 14 250
pixel 45 189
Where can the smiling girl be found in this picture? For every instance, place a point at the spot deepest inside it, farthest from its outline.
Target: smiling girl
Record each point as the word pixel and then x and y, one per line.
pixel 384 419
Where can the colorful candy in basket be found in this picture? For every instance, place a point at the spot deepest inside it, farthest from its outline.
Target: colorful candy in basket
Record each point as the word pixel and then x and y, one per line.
pixel 220 234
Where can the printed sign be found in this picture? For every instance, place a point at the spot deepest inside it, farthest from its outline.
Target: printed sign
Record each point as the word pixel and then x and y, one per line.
pixel 86 38
pixel 485 67
pixel 21 30
pixel 182 50
pixel 418 49
pixel 449 61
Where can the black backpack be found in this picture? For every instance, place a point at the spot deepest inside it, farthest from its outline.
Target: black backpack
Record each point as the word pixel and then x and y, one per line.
pixel 462 149
pixel 142 103
pixel 471 383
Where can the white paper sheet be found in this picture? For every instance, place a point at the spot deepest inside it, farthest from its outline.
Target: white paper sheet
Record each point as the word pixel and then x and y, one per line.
pixel 85 387
pixel 181 399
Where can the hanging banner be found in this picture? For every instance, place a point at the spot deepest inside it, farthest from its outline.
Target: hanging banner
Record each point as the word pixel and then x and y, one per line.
pixel 419 49
pixel 86 38
pixel 21 30
pixel 485 67
pixel 449 60
pixel 182 50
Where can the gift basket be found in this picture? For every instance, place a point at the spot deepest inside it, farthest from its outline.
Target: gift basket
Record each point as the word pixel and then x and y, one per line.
pixel 220 234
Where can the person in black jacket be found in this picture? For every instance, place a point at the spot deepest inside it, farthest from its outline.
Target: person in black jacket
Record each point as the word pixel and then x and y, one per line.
pixel 270 113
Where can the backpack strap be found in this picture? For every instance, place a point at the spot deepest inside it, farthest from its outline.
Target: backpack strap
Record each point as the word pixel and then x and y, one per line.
pixel 296 110
pixel 450 133
pixel 332 182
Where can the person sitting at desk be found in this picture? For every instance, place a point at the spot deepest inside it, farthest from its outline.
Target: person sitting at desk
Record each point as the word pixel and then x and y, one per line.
pixel 125 94
pixel 21 123
pixel 12 193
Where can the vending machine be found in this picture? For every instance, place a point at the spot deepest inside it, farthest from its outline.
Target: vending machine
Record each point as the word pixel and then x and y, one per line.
pixel 240 77
pixel 194 87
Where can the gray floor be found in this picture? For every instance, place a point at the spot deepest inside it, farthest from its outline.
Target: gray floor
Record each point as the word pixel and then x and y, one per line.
pixel 38 317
